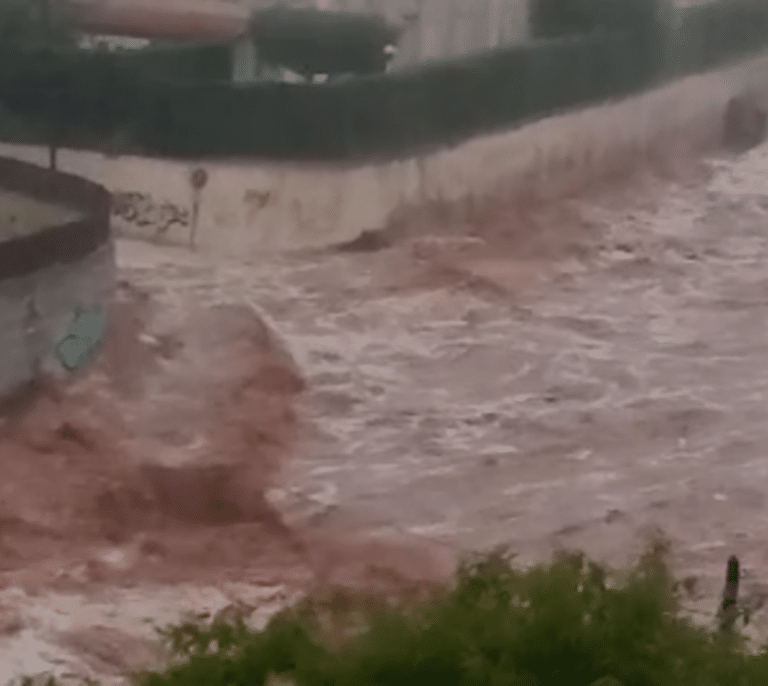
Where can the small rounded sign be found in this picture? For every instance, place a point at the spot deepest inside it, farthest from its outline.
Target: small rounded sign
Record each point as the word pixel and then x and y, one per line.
pixel 198 178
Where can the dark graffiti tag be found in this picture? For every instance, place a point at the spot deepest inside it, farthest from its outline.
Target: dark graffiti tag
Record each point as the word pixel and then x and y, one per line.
pixel 142 211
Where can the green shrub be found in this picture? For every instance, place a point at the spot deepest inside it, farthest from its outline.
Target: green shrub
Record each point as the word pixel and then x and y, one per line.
pixel 196 63
pixel 65 95
pixel 713 33
pixel 568 623
pixel 82 97
pixel 556 18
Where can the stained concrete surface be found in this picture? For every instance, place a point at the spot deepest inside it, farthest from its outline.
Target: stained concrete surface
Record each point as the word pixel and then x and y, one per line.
pixel 36 309
pixel 22 215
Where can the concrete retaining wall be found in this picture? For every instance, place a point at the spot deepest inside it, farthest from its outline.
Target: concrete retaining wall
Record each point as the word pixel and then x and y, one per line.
pixel 251 208
pixel 36 309
pixel 45 277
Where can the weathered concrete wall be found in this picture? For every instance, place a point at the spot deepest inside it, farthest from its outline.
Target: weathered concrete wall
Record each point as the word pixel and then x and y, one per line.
pixel 252 208
pixel 36 309
pixel 47 275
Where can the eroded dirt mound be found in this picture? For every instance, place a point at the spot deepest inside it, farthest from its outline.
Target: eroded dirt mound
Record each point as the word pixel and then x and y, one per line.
pixel 181 419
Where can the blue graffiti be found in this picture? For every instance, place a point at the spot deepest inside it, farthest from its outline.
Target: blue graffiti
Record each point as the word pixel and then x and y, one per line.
pixel 82 338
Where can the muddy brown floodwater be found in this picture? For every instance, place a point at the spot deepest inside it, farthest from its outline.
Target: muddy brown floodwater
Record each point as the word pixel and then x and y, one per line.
pixel 477 394
pixel 578 378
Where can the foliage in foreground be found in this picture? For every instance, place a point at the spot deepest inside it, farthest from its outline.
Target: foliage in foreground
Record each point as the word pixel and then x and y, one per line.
pixel 568 623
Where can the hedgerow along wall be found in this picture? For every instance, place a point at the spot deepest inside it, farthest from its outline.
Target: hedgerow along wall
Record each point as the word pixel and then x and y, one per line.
pixel 391 116
pixel 251 208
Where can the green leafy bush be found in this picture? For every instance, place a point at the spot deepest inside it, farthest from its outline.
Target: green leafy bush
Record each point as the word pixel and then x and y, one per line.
pixel 713 33
pixel 555 18
pixel 568 623
pixel 24 24
pixel 82 98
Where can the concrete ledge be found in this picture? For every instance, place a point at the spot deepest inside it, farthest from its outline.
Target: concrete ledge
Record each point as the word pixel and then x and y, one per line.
pixel 64 243
pixel 46 276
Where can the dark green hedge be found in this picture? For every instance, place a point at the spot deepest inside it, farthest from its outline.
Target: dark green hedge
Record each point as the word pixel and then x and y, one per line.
pixel 390 115
pixel 64 93
pixel 90 96
pixel 557 18
pixel 709 35
pixel 185 63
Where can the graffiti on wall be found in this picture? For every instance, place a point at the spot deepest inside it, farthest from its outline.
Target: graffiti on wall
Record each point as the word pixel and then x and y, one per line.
pixel 142 211
pixel 82 338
